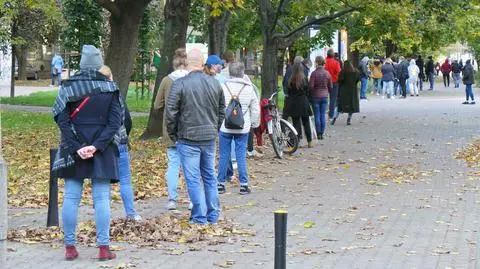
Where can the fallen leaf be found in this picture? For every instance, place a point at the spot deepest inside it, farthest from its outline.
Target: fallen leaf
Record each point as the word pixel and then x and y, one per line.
pixel 308 224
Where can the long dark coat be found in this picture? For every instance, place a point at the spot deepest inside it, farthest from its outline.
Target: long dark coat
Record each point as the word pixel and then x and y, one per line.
pixel 297 103
pixel 348 96
pixel 95 124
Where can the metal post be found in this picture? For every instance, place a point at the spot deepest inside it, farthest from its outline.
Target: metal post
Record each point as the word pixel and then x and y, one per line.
pixel 3 211
pixel 52 217
pixel 280 239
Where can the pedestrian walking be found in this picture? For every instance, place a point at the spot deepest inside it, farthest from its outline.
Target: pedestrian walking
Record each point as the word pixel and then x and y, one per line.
pixel 413 77
pixel 195 112
pixel 446 69
pixel 236 89
pixel 126 189
pixel 456 71
pixel 388 78
pixel 403 75
pixel 56 67
pixel 320 85
pixel 298 105
pixel 286 78
pixel 348 94
pixel 364 75
pixel 469 80
pixel 376 75
pixel 173 158
pixel 421 74
pixel 89 112
pixel 333 67
pixel 430 70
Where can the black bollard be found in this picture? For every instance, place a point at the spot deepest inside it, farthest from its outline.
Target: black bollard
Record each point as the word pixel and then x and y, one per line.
pixel 52 217
pixel 280 239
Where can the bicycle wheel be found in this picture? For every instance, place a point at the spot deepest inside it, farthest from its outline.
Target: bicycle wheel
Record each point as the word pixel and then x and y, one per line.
pixel 290 139
pixel 276 138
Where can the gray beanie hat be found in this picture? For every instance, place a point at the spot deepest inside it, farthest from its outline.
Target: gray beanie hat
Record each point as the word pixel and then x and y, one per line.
pixel 91 58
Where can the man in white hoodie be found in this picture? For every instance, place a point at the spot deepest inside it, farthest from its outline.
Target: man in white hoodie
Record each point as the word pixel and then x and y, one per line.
pixel 244 91
pixel 413 72
pixel 173 170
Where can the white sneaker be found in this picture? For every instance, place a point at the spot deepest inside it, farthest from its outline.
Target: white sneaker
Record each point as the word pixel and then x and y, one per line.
pixel 190 206
pixel 383 96
pixel 393 97
pixel 234 165
pixel 136 218
pixel 172 205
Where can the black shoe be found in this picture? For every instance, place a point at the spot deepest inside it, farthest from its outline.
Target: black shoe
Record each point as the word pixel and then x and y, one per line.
pixel 472 102
pixel 221 188
pixel 348 122
pixel 333 121
pixel 244 189
pixel 465 103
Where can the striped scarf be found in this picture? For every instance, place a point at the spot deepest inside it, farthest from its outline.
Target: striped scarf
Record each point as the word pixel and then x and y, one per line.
pixel 84 83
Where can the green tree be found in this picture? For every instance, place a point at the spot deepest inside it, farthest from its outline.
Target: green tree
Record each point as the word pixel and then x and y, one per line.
pixel 83 26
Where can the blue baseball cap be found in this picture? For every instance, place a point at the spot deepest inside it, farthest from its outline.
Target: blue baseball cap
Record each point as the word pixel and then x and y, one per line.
pixel 214 59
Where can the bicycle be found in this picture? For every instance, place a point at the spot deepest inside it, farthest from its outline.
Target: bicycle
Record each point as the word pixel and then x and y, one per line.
pixel 281 132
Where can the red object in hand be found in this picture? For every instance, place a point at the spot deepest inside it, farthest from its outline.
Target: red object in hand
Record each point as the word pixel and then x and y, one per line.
pixel 75 112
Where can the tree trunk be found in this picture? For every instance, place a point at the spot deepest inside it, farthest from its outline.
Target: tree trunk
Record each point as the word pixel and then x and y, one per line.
pixel 280 61
pixel 269 67
pixel 177 17
pixel 217 33
pixel 123 42
pixel 12 73
pixel 21 55
pixel 390 48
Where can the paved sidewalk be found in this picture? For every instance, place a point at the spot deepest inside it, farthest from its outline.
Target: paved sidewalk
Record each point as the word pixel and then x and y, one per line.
pixel 429 222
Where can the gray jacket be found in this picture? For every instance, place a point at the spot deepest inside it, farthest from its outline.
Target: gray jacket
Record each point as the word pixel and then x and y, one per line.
pixel 364 71
pixel 388 72
pixel 195 109
pixel 468 75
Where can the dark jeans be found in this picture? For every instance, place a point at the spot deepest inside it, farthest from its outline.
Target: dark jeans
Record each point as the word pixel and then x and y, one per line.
pixel 332 107
pixel 469 92
pixel 363 88
pixel 319 110
pixel 431 77
pixel 306 125
pixel 250 141
pixel 446 79
pixel 403 86
pixel 57 77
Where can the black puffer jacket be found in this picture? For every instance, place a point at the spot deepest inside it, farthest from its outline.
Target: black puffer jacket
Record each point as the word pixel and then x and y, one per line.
pixel 195 108
pixel 468 74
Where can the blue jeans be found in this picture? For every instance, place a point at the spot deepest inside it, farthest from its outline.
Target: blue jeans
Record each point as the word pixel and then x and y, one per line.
pixel 457 80
pixel 58 78
pixel 233 158
pixel 198 163
pixel 225 145
pixel 126 190
pixel 469 92
pixel 395 87
pixel 431 77
pixel 388 87
pixel 172 174
pixel 376 85
pixel 101 202
pixel 333 101
pixel 319 110
pixel 363 88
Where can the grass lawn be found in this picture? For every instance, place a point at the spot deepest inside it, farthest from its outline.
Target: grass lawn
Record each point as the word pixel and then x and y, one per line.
pixel 27 138
pixel 47 98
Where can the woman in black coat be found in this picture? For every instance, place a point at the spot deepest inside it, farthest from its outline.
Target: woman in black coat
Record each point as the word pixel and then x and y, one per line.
pixel 297 104
pixel 89 114
pixel 348 95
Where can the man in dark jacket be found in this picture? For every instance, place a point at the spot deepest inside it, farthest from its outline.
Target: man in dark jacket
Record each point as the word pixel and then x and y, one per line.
pixel 456 70
pixel 469 80
pixel 402 74
pixel 430 70
pixel 195 113
pixel 421 75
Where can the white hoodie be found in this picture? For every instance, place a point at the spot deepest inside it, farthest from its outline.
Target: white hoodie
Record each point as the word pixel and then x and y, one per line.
pixel 413 70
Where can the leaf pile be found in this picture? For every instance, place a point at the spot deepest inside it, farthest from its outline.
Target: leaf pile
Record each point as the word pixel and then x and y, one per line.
pixel 471 154
pixel 399 174
pixel 150 233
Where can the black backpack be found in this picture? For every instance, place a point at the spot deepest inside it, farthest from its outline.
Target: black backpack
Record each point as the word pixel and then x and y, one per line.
pixel 234 113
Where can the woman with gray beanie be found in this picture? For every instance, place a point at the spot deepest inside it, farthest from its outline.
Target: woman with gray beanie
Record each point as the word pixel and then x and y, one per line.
pixel 89 113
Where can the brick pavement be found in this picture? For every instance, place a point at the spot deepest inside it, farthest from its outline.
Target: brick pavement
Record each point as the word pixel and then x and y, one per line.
pixel 430 222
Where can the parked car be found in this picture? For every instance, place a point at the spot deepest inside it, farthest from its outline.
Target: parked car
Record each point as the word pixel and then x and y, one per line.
pixel 30 71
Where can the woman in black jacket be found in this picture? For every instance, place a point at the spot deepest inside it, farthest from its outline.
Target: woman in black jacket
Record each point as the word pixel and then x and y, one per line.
pixel 89 113
pixel 298 106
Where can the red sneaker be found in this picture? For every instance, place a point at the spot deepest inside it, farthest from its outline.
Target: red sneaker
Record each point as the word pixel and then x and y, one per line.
pixel 105 254
pixel 71 253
